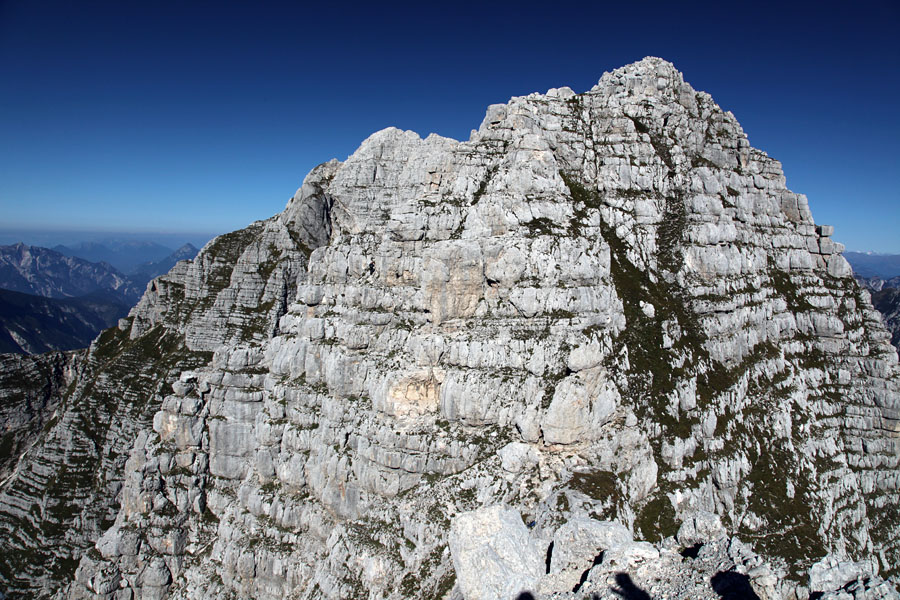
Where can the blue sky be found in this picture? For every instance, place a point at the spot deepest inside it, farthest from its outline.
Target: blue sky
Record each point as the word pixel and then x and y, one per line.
pixel 204 116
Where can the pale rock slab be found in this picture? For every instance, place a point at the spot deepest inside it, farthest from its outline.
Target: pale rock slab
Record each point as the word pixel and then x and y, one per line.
pixel 493 556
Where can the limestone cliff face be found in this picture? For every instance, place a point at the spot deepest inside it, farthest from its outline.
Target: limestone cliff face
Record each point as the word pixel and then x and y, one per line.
pixel 601 307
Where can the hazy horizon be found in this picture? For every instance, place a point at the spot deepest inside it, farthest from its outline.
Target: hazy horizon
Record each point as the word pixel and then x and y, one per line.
pixel 49 238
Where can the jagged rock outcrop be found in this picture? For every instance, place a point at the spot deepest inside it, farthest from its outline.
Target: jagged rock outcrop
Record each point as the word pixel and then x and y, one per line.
pixel 489 563
pixel 493 556
pixel 601 308
pixel 233 292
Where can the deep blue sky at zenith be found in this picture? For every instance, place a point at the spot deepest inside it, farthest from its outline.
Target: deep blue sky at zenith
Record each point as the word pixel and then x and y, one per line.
pixel 204 116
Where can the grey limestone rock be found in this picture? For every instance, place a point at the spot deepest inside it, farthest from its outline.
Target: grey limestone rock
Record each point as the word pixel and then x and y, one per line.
pixel 700 527
pixel 836 579
pixel 516 456
pixel 31 388
pixel 601 308
pixel 493 556
pixel 580 541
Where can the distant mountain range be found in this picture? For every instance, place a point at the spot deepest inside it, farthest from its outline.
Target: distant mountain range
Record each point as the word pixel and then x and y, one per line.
pixel 876 284
pixel 51 301
pixel 867 264
pixel 48 273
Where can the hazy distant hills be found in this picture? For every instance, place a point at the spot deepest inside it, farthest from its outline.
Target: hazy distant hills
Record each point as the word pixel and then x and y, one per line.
pixel 51 301
pixel 124 255
pixel 148 270
pixel 32 324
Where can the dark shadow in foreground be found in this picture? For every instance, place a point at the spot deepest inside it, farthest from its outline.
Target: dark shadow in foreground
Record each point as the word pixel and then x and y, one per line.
pixel 597 560
pixel 525 596
pixel 627 589
pixel 692 551
pixel 733 586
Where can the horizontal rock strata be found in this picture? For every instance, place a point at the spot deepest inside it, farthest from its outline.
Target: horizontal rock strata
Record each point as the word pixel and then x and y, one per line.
pixel 603 310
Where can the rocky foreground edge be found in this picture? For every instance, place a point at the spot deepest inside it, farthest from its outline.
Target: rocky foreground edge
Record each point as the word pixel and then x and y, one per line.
pixel 597 350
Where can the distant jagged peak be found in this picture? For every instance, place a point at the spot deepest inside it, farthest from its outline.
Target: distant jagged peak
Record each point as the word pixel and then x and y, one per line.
pixel 186 251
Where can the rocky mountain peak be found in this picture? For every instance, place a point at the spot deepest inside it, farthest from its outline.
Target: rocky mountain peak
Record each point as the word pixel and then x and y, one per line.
pixel 598 346
pixel 649 75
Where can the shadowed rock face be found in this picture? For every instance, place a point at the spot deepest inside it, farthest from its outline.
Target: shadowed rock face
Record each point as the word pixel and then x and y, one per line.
pixel 31 388
pixel 601 306
pixel 33 324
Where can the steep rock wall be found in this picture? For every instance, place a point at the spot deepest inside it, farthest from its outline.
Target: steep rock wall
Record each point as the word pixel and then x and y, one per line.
pixel 603 305
pixel 615 279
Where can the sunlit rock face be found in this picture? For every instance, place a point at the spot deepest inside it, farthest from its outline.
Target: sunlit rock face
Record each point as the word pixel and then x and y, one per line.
pixel 604 312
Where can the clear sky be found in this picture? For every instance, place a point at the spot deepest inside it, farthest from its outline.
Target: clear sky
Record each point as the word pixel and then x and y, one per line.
pixel 206 115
